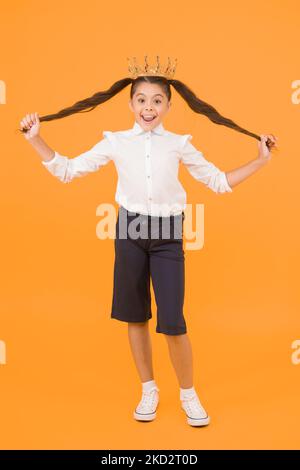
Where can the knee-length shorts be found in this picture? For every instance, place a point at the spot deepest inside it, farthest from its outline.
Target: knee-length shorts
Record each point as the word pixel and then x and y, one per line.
pixel 149 247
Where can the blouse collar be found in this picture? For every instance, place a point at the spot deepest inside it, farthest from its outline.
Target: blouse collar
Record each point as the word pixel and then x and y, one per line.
pixel 137 129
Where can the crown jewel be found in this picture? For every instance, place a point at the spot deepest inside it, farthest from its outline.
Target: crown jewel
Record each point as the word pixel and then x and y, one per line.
pixel 137 70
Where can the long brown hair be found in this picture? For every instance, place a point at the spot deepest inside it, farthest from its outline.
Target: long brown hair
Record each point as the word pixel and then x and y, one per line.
pixel 197 105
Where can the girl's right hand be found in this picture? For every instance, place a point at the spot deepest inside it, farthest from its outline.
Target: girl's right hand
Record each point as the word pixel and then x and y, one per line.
pixel 32 123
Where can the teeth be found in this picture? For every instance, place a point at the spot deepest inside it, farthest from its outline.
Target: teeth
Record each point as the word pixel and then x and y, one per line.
pixel 148 118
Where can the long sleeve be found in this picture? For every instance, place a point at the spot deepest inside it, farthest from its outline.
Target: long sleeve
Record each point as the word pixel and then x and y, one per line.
pixel 65 168
pixel 201 169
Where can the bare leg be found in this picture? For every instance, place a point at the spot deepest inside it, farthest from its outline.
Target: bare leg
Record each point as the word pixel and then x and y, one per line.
pixel 180 351
pixel 140 343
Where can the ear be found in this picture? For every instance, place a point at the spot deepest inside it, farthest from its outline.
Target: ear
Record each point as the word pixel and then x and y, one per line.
pixel 130 105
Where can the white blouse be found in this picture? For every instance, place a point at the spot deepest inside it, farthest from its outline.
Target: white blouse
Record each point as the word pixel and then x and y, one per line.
pixel 147 166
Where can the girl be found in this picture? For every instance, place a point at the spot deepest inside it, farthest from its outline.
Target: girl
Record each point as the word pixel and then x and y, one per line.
pixel 147 158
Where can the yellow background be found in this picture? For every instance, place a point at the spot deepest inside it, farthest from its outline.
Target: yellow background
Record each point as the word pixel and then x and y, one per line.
pixel 70 381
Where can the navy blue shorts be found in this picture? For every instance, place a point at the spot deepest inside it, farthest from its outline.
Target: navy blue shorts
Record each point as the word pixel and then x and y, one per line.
pixel 149 246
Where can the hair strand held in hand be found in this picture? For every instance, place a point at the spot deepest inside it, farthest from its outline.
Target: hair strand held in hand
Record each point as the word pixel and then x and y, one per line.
pixel 195 103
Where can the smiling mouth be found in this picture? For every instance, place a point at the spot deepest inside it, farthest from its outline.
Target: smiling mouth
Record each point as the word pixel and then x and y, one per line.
pixel 148 119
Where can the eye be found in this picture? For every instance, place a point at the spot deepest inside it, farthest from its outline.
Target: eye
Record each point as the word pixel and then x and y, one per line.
pixel 142 99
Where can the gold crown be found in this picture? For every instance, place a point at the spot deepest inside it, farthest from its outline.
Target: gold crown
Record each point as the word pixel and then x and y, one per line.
pixel 138 71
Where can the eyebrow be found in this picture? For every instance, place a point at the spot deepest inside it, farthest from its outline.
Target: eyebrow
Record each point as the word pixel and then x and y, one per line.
pixel 157 94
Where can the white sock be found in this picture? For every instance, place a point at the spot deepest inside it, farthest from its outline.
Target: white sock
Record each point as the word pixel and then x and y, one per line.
pixel 147 386
pixel 187 392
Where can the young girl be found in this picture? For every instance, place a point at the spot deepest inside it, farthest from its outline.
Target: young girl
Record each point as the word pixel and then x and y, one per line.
pixel 147 157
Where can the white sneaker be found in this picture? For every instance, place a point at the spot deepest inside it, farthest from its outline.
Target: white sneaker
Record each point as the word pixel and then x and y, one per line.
pixel 196 414
pixel 146 409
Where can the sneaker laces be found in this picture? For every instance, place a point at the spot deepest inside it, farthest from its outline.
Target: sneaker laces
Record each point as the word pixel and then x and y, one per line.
pixel 194 405
pixel 148 398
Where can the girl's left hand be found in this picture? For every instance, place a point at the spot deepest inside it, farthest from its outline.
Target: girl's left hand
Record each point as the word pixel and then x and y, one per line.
pixel 265 145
